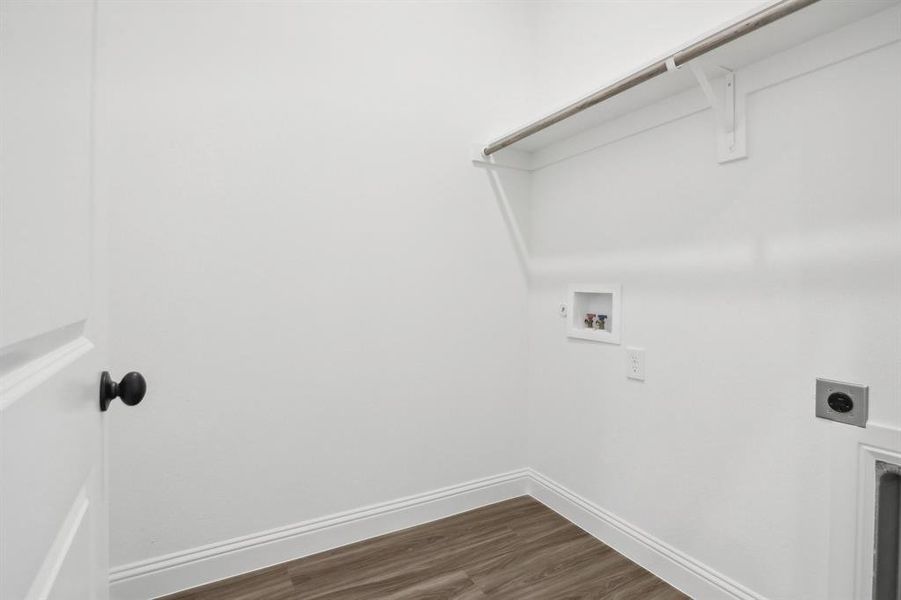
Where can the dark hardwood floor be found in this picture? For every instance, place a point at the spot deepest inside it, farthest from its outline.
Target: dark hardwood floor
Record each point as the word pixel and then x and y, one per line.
pixel 513 550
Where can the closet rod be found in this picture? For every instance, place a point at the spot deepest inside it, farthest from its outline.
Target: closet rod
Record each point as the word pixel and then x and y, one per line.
pixel 711 42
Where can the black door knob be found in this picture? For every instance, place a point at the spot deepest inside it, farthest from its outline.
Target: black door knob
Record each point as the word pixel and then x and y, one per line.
pixel 131 389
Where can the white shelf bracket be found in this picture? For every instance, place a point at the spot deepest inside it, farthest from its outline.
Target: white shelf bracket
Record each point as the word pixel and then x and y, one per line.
pixel 728 107
pixel 508 158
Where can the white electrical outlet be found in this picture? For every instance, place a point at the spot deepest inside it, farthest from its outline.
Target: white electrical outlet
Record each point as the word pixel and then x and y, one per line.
pixel 635 366
pixel 562 311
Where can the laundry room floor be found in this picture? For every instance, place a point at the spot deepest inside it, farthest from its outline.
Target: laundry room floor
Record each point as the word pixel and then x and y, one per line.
pixel 513 550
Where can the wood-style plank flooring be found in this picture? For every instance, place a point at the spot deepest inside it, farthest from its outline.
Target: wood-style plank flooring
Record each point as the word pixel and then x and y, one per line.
pixel 513 550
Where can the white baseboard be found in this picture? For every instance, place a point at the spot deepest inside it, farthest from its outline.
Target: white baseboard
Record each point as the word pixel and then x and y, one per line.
pixel 673 566
pixel 183 570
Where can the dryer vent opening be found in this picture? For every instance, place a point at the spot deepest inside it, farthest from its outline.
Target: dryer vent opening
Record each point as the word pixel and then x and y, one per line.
pixel 887 565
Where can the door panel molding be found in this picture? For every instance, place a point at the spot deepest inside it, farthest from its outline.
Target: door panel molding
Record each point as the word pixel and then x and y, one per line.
pixel 19 382
pixel 47 575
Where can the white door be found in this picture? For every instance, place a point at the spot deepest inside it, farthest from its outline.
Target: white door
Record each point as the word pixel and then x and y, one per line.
pixel 53 514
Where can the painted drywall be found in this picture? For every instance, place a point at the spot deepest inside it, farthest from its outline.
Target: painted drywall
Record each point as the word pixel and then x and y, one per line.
pixel 582 46
pixel 300 248
pixel 743 282
pixel 318 286
pixel 331 312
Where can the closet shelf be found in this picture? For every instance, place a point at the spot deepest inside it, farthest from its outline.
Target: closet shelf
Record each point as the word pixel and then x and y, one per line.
pixel 698 77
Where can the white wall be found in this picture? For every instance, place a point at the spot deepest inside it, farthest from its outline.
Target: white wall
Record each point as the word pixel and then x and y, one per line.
pixel 318 286
pixel 302 249
pixel 743 282
pixel 580 46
